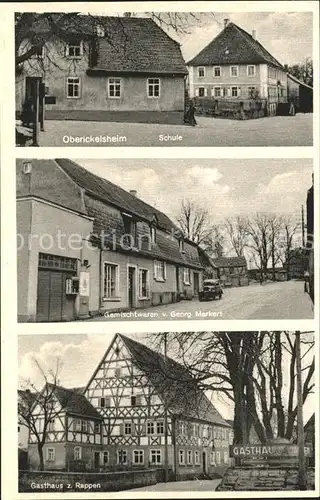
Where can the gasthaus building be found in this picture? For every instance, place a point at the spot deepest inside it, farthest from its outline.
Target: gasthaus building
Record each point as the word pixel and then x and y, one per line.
pixel 104 69
pixel 137 411
pixel 87 247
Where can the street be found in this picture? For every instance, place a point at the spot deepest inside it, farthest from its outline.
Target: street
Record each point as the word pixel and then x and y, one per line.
pixel 183 486
pixel 283 300
pixel 272 131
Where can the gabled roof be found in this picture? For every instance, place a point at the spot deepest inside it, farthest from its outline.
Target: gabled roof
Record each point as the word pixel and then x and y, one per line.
pixel 174 384
pixel 130 44
pixel 75 403
pixel 295 79
pixel 229 262
pixel 233 46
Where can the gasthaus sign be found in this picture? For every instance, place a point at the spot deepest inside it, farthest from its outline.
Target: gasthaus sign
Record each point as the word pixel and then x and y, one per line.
pixel 275 450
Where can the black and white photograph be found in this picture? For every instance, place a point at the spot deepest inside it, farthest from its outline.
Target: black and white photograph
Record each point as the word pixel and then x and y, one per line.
pixel 110 240
pixel 164 78
pixel 167 412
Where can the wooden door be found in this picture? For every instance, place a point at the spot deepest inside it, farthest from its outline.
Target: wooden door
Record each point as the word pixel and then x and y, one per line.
pixel 52 302
pixel 131 286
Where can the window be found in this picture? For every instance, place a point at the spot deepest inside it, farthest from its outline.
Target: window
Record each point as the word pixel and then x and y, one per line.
pixel 189 457
pixel 84 426
pixel 117 371
pixel 201 92
pixel 138 456
pixel 181 457
pixel 18 428
pixel 251 70
pixel 160 427
pixel 212 458
pixel 150 428
pixel 110 280
pixel 100 31
pixel 217 91
pixel 234 91
pixel 114 88
pixel 51 454
pixel 155 456
pixel 197 458
pixel 218 457
pixel 57 262
pixel 77 453
pixel 133 401
pixel 130 231
pixel 105 402
pixel 201 72
pixel 159 270
pixel 186 276
pixel 216 71
pixel 122 456
pixel 128 428
pixel 97 427
pixel 153 234
pixel 51 424
pixel 234 70
pixel 181 246
pixel 105 457
pixel 77 425
pixel 143 284
pixel 74 50
pixel 73 87
pixel 153 87
pixel 251 91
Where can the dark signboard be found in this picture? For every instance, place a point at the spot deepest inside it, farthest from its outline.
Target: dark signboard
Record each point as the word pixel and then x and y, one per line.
pixel 267 451
pixel 50 99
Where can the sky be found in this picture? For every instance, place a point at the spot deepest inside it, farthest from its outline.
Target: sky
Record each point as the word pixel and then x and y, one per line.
pixel 225 188
pixel 80 355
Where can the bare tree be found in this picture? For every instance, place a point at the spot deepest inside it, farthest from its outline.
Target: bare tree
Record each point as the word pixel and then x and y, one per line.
pixel 275 223
pixel 260 234
pixel 36 408
pixel 286 245
pixel 193 222
pixel 237 232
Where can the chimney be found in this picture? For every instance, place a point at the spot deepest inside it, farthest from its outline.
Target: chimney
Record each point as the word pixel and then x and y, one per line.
pixel 254 34
pixel 226 22
pixel 133 192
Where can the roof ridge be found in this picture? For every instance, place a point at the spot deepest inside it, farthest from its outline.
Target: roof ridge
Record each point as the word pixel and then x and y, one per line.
pixel 245 33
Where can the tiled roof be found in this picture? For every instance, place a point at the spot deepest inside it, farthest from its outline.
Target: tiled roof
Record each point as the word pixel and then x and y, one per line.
pixel 138 45
pixel 229 262
pixel 233 46
pixel 174 384
pixel 75 403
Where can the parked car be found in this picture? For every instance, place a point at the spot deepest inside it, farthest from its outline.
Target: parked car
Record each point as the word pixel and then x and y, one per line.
pixel 211 290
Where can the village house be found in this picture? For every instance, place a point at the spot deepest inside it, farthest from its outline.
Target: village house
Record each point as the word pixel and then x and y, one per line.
pixel 235 66
pixel 301 94
pixel 231 271
pixel 153 415
pixel 73 436
pixel 88 247
pixel 103 69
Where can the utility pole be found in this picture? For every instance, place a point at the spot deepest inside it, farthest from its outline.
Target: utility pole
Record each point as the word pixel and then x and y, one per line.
pixel 166 472
pixel 302 226
pixel 302 462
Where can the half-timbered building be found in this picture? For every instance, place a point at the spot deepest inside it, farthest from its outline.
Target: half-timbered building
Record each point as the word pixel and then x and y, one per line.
pixel 72 437
pixel 154 414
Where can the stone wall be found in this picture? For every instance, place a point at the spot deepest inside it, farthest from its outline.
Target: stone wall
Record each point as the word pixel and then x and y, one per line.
pixel 41 481
pixel 262 479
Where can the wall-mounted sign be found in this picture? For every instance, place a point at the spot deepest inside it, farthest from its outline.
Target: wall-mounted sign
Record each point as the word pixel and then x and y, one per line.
pixel 84 288
pixel 50 99
pixel 272 451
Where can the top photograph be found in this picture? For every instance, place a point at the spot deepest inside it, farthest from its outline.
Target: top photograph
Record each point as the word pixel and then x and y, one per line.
pixel 164 79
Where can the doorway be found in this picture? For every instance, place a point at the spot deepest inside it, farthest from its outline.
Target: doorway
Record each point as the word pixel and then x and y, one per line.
pixel 177 281
pixel 196 284
pixel 96 459
pixel 204 462
pixel 132 286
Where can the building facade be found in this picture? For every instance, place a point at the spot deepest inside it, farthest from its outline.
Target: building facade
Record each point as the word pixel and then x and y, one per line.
pixel 232 271
pixel 235 66
pixel 137 411
pixel 104 69
pixel 86 247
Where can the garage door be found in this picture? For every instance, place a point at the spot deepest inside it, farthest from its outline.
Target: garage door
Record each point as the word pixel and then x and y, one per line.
pixel 53 304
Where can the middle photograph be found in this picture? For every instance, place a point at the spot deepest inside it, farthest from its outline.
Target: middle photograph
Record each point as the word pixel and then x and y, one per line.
pixel 169 239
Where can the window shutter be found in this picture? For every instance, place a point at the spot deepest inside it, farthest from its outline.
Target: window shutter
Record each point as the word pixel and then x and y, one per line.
pixel 239 91
pixel 133 429
pixel 121 430
pixel 143 429
pixel 165 270
pixel 154 268
pixel 66 50
pixel 205 92
pixel 81 48
pixel 229 92
pixel 197 92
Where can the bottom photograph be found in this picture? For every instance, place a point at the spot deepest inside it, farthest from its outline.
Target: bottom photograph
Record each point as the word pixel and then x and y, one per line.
pixel 167 412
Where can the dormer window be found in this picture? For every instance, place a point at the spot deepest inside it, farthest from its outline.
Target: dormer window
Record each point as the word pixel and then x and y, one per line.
pixel 74 50
pixel 130 230
pixel 100 31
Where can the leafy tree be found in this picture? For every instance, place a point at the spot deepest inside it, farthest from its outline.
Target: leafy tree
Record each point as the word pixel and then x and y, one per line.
pixel 303 71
